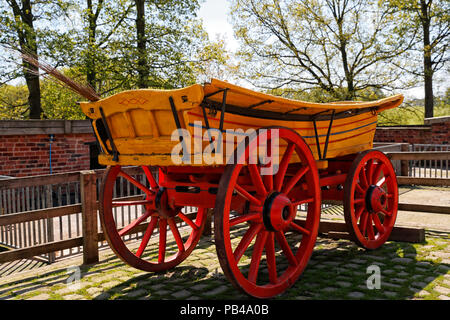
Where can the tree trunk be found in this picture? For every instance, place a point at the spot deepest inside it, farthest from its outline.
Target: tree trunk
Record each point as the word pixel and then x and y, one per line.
pixel 142 67
pixel 427 62
pixel 91 74
pixel 27 42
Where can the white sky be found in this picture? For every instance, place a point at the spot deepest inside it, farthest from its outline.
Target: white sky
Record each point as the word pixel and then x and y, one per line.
pixel 215 20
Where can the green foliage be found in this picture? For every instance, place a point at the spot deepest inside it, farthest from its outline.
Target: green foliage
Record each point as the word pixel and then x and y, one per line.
pixel 342 47
pixel 95 42
pixel 13 102
pixel 413 112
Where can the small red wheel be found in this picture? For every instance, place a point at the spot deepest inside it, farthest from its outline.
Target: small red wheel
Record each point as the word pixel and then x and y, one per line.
pixel 370 199
pixel 122 217
pixel 269 225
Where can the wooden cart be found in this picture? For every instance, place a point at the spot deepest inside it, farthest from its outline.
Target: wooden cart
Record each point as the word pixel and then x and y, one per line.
pixel 283 155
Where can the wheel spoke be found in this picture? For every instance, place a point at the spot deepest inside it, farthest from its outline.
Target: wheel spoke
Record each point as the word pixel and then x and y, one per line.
pixel 378 225
pixel 359 189
pixel 135 223
pixel 135 182
pixel 377 172
pixel 381 182
pixel 370 232
pixel 295 226
pixel 297 203
pixel 358 212
pixel 176 234
pixel 191 223
pixel 363 179
pixel 386 213
pixel 363 223
pixel 245 218
pixel 300 173
pixel 246 240
pixel 268 178
pixel 270 257
pixel 256 255
pixel 369 171
pixel 147 235
pixel 247 195
pixel 257 180
pixel 279 178
pixel 150 178
pixel 162 240
pixel 359 201
pixel 286 248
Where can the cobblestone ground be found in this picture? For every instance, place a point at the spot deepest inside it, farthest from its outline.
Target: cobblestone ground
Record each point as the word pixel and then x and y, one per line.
pixel 338 269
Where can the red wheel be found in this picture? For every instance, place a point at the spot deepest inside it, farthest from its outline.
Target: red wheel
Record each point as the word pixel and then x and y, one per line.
pixel 269 225
pixel 370 199
pixel 147 211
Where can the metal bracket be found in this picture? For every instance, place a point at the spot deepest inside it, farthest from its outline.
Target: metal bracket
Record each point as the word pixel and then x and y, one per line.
pixel 178 124
pixel 108 133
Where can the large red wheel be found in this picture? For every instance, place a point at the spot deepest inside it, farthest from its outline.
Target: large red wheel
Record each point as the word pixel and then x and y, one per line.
pixel 264 249
pixel 370 199
pixel 149 213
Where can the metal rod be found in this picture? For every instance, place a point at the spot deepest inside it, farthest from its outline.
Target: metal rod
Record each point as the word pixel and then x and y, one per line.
pixel 317 139
pixel 222 117
pixel 178 124
pixel 328 135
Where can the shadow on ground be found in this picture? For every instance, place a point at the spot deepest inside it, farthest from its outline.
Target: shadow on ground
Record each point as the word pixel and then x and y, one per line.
pixel 338 269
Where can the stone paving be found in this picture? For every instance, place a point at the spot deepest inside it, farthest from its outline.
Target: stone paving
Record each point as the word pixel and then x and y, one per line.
pixel 338 269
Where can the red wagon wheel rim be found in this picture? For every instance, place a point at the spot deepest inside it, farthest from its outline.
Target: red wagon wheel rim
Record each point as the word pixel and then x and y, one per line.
pixel 165 224
pixel 371 199
pixel 270 221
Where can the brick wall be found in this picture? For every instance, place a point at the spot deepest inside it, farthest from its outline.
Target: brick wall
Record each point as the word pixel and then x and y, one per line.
pixel 25 147
pixel 435 131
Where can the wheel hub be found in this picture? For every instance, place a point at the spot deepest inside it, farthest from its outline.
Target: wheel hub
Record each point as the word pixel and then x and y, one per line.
pixel 278 212
pixel 375 199
pixel 162 204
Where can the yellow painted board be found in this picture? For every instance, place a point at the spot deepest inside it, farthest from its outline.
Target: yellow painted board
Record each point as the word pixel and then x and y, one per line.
pixel 141 121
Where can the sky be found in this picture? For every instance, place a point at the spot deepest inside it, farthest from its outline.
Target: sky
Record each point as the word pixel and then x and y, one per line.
pixel 214 14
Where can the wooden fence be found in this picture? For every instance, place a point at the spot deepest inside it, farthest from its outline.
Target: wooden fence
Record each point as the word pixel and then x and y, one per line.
pixel 30 220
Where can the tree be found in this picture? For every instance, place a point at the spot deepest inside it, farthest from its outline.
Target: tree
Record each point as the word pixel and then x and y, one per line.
pixel 164 44
pixel 19 24
pixel 431 20
pixel 340 46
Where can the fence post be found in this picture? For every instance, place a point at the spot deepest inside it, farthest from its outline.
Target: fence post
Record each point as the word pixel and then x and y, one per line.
pixel 207 231
pixel 88 181
pixel 50 230
pixel 404 164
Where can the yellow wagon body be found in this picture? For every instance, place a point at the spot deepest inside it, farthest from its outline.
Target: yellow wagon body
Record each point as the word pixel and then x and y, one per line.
pixel 141 122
